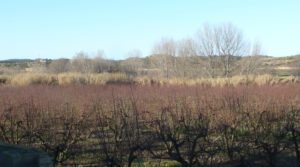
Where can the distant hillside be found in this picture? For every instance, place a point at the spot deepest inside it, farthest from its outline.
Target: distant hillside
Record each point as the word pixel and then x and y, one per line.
pixel 16 61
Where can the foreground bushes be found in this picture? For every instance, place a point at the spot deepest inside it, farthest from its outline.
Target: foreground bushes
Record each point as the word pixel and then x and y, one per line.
pixel 128 125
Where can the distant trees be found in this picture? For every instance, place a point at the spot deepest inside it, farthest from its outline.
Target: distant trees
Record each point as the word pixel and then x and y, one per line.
pixel 166 49
pixel 215 51
pixel 249 65
pixel 83 63
pixel 59 66
pixel 177 58
pixel 187 50
pixel 100 63
pixel 221 44
pixel 134 63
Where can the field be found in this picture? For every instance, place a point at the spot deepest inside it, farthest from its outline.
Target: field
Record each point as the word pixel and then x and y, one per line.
pixel 149 84
pixel 155 125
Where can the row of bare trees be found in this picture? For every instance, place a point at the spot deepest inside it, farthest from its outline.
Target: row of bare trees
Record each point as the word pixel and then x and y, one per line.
pixel 82 63
pixel 130 125
pixel 220 46
pixel 216 50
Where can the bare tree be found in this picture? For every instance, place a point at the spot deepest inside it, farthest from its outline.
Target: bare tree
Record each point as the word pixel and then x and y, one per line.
pixel 186 50
pixel 133 64
pixel 59 66
pixel 60 133
pixel 121 134
pixel 183 137
pixel 292 128
pixel 166 48
pixel 82 63
pixel 100 63
pixel 251 63
pixel 221 44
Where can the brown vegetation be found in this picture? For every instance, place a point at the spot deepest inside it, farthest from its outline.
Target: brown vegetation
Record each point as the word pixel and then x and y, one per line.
pixel 25 79
pixel 209 101
pixel 123 125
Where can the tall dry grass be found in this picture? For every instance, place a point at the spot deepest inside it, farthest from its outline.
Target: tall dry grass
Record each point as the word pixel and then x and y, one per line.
pixel 235 80
pixel 24 79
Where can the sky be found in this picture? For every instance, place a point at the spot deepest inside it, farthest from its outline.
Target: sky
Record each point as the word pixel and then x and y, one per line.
pixel 61 28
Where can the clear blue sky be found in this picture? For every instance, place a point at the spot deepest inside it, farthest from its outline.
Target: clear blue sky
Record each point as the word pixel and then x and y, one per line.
pixel 61 28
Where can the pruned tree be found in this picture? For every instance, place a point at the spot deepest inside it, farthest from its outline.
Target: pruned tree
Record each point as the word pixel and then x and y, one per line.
pixel 121 133
pixel 292 127
pixel 60 132
pixel 184 136
pixel 11 126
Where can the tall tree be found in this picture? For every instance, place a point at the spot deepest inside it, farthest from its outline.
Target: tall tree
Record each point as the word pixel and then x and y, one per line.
pixel 221 44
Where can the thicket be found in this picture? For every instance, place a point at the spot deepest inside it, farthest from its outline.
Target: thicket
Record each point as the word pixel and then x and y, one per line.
pixel 131 125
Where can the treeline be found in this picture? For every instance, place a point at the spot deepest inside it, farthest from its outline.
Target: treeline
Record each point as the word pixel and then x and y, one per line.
pixel 156 125
pixel 214 51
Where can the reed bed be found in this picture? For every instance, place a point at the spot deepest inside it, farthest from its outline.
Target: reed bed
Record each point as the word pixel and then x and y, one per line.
pixel 24 79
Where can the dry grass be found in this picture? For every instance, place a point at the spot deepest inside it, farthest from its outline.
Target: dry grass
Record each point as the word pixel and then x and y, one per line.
pixel 235 80
pixel 23 79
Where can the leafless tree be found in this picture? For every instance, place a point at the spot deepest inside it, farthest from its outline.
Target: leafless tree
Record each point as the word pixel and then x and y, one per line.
pixel 100 63
pixel 59 66
pixel 121 134
pixel 10 126
pixel 82 63
pixel 166 48
pixel 60 133
pixel 183 136
pixel 292 128
pixel 221 44
pixel 186 50
pixel 133 63
pixel 252 62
